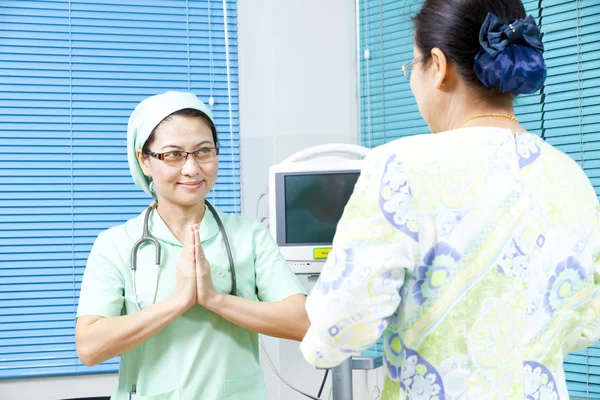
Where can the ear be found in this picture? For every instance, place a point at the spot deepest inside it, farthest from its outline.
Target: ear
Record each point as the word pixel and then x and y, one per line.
pixel 144 162
pixel 440 67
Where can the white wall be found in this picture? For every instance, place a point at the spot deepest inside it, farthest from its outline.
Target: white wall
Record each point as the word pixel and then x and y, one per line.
pixel 298 82
pixel 297 87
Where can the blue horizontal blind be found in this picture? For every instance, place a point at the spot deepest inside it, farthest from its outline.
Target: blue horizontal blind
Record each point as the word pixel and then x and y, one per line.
pixel 71 72
pixel 572 124
pixel 566 112
pixel 388 109
pixel 528 108
pixel 572 92
pixel 582 369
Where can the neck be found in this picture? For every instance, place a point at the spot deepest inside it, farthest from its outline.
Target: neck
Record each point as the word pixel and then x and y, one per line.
pixel 464 105
pixel 178 217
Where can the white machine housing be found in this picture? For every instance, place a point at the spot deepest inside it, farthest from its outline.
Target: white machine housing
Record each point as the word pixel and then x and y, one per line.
pixel 307 258
pixel 285 354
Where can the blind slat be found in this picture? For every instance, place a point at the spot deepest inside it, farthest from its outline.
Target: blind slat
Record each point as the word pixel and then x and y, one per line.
pixel 70 75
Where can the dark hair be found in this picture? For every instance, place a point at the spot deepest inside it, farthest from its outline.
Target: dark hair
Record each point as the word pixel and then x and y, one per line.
pixel 187 113
pixel 453 26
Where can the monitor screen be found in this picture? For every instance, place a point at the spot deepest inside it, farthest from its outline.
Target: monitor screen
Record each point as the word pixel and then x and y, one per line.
pixel 314 204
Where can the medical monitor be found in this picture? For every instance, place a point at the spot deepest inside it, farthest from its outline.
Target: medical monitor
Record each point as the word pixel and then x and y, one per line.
pixel 306 202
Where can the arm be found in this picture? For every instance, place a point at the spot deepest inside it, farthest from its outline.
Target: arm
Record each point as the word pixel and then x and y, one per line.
pixel 102 337
pixel 284 319
pixel 281 309
pixel 587 331
pixel 376 242
pixel 99 339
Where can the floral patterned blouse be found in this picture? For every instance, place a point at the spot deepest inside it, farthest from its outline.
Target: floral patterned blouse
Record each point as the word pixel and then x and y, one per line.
pixel 475 253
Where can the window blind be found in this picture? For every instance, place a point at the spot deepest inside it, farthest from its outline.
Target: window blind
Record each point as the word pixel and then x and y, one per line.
pixel 71 73
pixel 571 122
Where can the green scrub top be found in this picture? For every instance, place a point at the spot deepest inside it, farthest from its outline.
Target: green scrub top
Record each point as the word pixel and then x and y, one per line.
pixel 199 355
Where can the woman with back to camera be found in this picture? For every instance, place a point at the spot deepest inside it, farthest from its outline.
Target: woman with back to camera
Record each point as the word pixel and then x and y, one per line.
pixel 473 251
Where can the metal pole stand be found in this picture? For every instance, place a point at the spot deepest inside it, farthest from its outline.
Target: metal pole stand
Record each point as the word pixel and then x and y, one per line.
pixel 342 374
pixel 341 383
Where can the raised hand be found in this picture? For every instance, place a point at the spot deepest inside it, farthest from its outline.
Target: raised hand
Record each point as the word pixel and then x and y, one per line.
pixel 204 285
pixel 185 287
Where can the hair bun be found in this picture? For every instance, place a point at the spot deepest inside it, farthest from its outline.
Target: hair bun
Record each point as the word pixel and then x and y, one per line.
pixel 510 58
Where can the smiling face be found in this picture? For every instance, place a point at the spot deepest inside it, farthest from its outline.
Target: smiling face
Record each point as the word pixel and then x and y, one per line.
pixel 189 183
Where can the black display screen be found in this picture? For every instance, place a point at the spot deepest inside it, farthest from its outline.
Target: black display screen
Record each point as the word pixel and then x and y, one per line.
pixel 314 204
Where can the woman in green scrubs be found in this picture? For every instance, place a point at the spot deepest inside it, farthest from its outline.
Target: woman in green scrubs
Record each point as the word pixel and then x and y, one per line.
pixel 195 341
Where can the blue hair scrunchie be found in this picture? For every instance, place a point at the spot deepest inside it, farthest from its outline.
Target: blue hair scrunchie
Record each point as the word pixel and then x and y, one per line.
pixel 510 58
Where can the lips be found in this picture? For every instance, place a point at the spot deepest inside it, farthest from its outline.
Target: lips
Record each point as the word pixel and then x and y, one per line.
pixel 191 185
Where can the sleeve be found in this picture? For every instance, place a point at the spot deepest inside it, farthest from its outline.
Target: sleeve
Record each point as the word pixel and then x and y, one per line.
pixel 590 334
pixel 274 278
pixel 589 331
pixel 376 242
pixel 103 287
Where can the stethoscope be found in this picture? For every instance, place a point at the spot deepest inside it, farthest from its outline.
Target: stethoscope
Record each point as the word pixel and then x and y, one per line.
pixel 147 238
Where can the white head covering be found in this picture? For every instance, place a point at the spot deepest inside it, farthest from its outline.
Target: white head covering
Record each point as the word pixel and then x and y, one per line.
pixel 146 116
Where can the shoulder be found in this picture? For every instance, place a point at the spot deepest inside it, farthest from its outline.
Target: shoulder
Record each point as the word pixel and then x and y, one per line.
pixel 566 163
pixel 247 233
pixel 244 226
pixel 400 151
pixel 567 174
pixel 390 159
pixel 119 235
pixel 238 221
pixel 398 145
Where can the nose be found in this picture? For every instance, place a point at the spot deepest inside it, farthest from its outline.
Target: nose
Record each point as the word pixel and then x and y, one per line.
pixel 191 167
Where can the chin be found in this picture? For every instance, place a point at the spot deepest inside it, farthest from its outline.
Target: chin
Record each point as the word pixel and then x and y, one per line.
pixel 192 200
pixel 186 200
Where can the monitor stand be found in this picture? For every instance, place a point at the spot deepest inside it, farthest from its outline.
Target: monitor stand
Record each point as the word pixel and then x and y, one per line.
pixel 342 374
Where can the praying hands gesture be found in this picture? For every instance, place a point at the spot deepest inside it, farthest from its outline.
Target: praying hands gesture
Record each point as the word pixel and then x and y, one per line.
pixel 285 318
pixel 194 281
pixel 205 290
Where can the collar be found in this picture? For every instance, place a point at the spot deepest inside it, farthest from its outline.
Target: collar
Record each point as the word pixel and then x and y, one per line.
pixel 159 229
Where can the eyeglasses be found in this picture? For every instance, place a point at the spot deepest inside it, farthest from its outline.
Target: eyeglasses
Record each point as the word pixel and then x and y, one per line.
pixel 407 68
pixel 178 158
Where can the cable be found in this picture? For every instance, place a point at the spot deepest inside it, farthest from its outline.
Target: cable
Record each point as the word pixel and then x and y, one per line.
pixel 264 351
pixel 323 383
pixel 377 391
pixel 579 82
pixel 258 202
pixel 262 347
pixel 263 194
pixel 376 394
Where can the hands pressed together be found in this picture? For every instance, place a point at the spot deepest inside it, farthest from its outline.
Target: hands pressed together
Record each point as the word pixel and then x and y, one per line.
pixel 284 318
pixel 194 282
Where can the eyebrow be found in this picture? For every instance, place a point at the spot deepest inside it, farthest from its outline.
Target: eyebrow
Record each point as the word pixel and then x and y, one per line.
pixel 172 146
